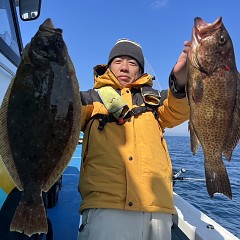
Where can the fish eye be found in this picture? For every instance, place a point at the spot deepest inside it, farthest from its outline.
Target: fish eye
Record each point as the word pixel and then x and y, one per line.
pixel 222 39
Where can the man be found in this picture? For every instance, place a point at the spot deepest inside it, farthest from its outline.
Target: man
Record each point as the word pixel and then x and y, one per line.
pixel 126 172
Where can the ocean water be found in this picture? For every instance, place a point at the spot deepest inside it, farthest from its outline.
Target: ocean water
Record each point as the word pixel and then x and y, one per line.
pixel 220 208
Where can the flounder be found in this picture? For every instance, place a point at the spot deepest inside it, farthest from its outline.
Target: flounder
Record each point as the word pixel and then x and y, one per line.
pixel 39 124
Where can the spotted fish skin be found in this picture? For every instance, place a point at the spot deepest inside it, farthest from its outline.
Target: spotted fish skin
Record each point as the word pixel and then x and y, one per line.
pixel 213 90
pixel 39 124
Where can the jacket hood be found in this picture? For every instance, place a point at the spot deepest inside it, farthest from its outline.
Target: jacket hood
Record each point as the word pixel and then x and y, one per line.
pixel 103 76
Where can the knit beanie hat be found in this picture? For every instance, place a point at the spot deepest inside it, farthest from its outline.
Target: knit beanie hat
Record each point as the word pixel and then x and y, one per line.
pixel 126 47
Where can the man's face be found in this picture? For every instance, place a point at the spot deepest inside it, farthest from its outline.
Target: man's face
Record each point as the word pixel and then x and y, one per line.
pixel 126 69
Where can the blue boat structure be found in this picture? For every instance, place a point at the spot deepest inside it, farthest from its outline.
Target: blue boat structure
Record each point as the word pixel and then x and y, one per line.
pixel 64 199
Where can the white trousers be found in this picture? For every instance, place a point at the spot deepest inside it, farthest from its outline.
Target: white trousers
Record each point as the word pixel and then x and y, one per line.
pixel 114 224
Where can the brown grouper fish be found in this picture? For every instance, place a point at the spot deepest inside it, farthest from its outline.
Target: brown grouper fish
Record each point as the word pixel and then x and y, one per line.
pixel 39 124
pixel 213 89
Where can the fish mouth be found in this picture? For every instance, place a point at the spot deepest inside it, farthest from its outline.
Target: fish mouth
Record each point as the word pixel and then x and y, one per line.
pixel 48 28
pixel 203 30
pixel 200 32
pixel 46 44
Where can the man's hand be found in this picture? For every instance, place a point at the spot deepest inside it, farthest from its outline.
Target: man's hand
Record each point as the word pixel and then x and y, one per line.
pixel 180 67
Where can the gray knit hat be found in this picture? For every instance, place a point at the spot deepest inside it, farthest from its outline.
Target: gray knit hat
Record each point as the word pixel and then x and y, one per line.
pixel 126 47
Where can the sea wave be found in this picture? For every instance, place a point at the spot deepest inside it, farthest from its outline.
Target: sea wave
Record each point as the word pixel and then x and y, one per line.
pixel 220 208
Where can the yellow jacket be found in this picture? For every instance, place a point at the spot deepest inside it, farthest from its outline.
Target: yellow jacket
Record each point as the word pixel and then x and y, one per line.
pixel 6 182
pixel 128 166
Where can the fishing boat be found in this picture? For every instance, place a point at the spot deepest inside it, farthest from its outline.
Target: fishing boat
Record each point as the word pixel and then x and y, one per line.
pixel 63 198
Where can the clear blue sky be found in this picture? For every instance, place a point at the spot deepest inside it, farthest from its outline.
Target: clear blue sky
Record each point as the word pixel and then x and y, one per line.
pixel 91 28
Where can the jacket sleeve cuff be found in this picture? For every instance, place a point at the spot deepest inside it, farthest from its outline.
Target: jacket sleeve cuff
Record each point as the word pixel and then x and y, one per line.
pixel 177 90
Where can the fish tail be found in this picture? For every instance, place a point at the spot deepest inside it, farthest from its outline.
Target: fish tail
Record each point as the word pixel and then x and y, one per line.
pixel 217 180
pixel 30 217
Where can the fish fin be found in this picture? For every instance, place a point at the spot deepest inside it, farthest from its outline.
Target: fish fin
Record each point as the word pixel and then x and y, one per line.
pixel 217 180
pixel 227 154
pixel 197 90
pixel 30 216
pixel 234 130
pixel 193 139
pixel 5 151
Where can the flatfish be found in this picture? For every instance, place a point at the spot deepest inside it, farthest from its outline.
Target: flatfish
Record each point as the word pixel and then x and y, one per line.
pixel 40 120
pixel 213 89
